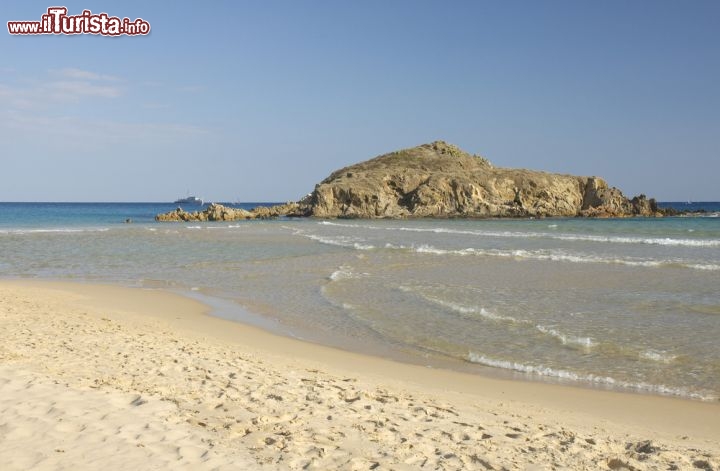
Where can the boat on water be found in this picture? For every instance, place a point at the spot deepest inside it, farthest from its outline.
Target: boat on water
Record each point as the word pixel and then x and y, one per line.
pixel 189 200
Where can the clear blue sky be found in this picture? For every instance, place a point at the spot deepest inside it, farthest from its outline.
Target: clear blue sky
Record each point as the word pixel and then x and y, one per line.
pixel 258 101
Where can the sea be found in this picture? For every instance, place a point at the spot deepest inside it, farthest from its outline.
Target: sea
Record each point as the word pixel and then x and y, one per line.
pixel 622 304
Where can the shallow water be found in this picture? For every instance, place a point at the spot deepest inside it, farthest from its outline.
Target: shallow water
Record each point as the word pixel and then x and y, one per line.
pixel 629 304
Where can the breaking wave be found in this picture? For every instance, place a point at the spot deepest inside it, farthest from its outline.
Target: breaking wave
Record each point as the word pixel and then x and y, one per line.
pixel 667 241
pixel 340 241
pixel 642 240
pixel 565 339
pixel 555 255
pixel 343 273
pixel 480 311
pixel 552 255
pixel 658 356
pixel 541 370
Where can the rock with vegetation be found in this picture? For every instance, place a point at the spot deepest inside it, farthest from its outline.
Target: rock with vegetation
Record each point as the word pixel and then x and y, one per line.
pixel 442 180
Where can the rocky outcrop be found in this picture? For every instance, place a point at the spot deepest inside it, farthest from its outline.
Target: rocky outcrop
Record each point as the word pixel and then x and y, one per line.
pixel 218 212
pixel 441 180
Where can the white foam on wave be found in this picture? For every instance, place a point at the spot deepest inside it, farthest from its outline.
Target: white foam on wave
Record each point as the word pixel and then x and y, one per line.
pixel 667 241
pixel 642 240
pixel 551 255
pixel 326 240
pixel 343 273
pixel 659 356
pixel 461 308
pixel 360 246
pixel 566 339
pixel 351 226
pixel 703 266
pixel 338 224
pixel 193 227
pixel 481 311
pixel 424 248
pixel 340 241
pixel 542 370
pixel 559 256
pixel 443 230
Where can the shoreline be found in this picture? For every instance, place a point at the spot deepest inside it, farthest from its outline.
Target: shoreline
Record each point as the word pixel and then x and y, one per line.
pixel 225 308
pixel 387 400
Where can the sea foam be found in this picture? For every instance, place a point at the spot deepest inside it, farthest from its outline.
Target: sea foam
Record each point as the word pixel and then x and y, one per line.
pixel 565 339
pixel 658 356
pixel 667 241
pixel 339 241
pixel 462 309
pixel 343 273
pixel 541 370
pixel 552 255
pixel 556 255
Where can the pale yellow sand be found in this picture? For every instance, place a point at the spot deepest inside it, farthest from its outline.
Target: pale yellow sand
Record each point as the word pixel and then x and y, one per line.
pixel 98 377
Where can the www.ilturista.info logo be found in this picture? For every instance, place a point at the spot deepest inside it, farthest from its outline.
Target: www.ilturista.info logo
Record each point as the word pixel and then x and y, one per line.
pixel 57 21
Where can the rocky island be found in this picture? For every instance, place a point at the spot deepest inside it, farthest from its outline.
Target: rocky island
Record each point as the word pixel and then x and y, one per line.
pixel 443 181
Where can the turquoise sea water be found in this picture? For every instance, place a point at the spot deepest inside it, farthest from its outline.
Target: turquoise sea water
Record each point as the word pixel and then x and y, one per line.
pixel 627 304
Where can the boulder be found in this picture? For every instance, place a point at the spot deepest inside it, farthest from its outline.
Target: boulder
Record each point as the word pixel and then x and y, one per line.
pixel 218 212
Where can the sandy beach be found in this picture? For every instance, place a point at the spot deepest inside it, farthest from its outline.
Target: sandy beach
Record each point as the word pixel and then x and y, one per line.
pixel 107 377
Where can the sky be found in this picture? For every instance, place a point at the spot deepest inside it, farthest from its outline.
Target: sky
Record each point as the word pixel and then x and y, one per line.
pixel 260 100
